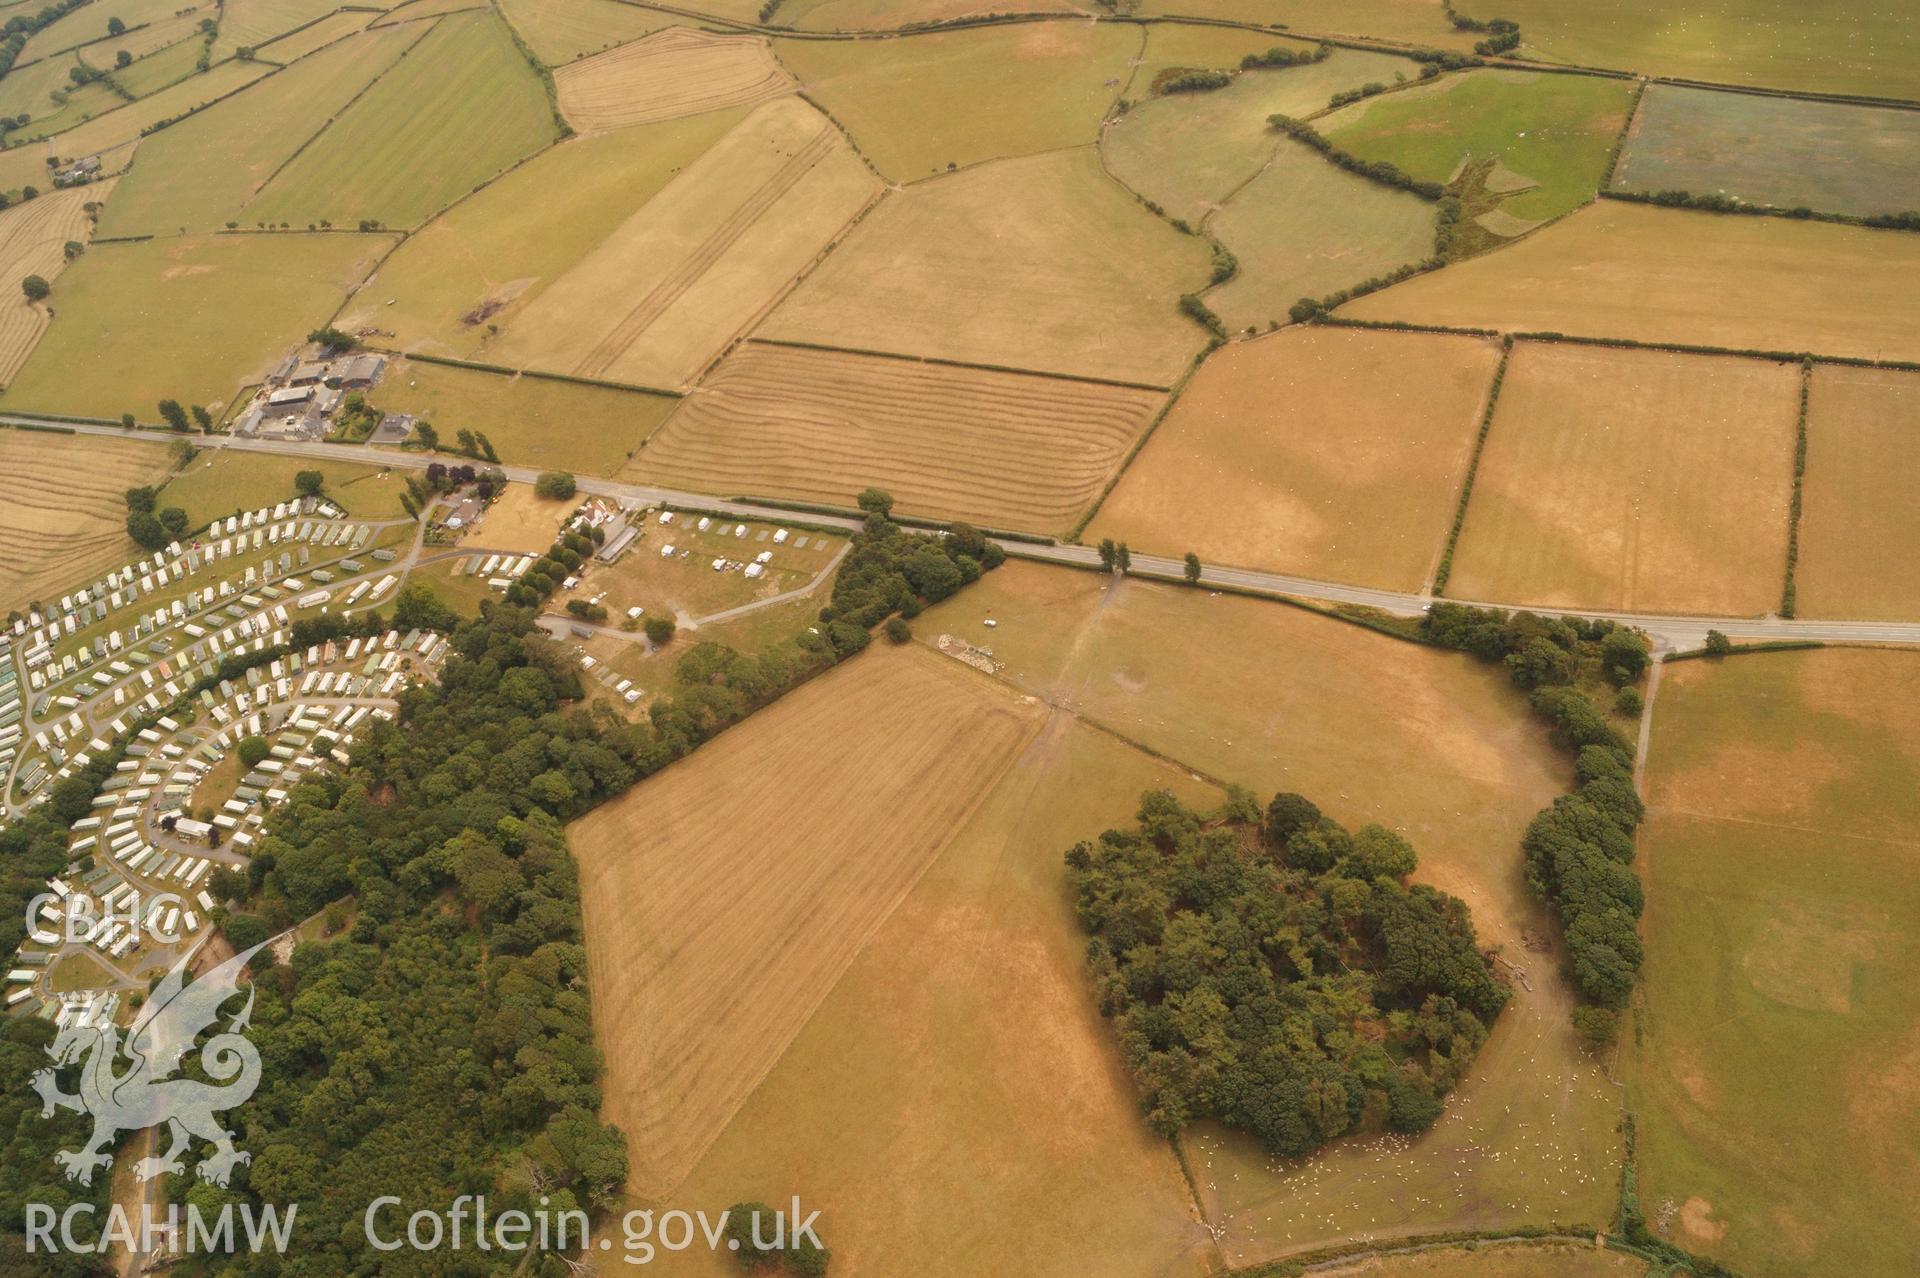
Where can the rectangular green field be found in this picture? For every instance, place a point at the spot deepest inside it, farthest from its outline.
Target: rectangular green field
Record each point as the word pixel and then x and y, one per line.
pixel 464 96
pixel 1550 134
pixel 224 481
pixel 161 68
pixel 1859 47
pixel 1777 1055
pixel 1832 157
pixel 1616 269
pixel 89 22
pixel 465 275
pixel 198 174
pixel 922 104
pixel 531 421
pixel 188 319
pixel 1633 481
pixel 1859 525
pixel 249 24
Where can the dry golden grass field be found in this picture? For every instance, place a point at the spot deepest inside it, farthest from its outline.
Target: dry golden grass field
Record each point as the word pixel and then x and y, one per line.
pixel 677 72
pixel 1175 46
pixel 558 31
pixel 474 268
pixel 698 263
pixel 1615 269
pixel 1322 452
pixel 519 520
pixel 868 15
pixel 1417 22
pixel 724 897
pixel 923 104
pixel 1775 1064
pixel 33 237
pixel 684 585
pixel 1859 523
pixel 1633 481
pixel 314 36
pixel 62 513
pixel 1435 745
pixel 1498 1260
pixel 1005 450
pixel 253 23
pixel 1041 263
pixel 964 1036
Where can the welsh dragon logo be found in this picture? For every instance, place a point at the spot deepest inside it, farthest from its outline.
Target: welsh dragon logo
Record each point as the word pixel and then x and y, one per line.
pixel 124 1085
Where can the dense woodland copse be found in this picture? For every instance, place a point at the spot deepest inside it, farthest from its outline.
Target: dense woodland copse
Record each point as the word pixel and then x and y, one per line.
pixel 1280 974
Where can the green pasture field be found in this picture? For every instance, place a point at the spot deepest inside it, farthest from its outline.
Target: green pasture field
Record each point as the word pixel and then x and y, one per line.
pixel 78 106
pixel 198 174
pixel 559 31
pixel 1775 1058
pixel 89 22
pixel 1554 131
pixel 1860 47
pixel 1306 228
pixel 1039 263
pixel 921 104
pixel 531 421
pixel 113 135
pixel 162 68
pixel 477 260
pixel 28 88
pixel 1188 152
pixel 221 482
pixel 249 24
pixel 463 96
pixel 188 319
pixel 1828 156
pixel 1418 23
pixel 1436 745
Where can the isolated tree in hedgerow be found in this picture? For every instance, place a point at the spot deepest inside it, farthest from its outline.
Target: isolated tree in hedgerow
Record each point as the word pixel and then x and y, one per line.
pixel 1718 645
pixel 116 27
pixel 1109 553
pixel 35 288
pixel 203 419
pixel 1193 569
pixel 898 631
pixel 122 60
pixel 309 483
pixel 875 501
pixel 174 415
pixel 555 485
pixel 1123 558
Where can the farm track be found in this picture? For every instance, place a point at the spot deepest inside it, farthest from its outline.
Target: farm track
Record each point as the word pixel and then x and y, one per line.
pixel 998 448
pixel 714 946
pixel 663 76
pixel 723 237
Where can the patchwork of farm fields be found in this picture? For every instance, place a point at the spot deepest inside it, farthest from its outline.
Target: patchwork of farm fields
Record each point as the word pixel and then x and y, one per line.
pixel 1042 263
pixel 1633 481
pixel 677 72
pixel 1005 450
pixel 1833 157
pixel 1615 269
pixel 558 31
pixel 666 291
pixel 1336 454
pixel 712 940
pixel 1775 1056
pixel 62 514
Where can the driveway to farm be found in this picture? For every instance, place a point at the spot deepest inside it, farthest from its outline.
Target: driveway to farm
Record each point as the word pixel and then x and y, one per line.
pixel 1675 632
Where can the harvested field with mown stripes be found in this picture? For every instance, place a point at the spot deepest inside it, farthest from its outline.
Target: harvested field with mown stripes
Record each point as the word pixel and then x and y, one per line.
pixel 62 508
pixel 724 897
pixel 1007 450
pixel 32 238
pixel 697 263
pixel 677 72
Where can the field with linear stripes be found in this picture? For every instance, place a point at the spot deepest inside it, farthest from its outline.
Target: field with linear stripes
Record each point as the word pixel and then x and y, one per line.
pixel 62 514
pixel 674 73
pixel 1003 450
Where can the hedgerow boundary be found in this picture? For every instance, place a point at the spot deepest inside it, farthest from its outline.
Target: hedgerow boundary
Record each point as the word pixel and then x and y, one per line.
pixel 1444 570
